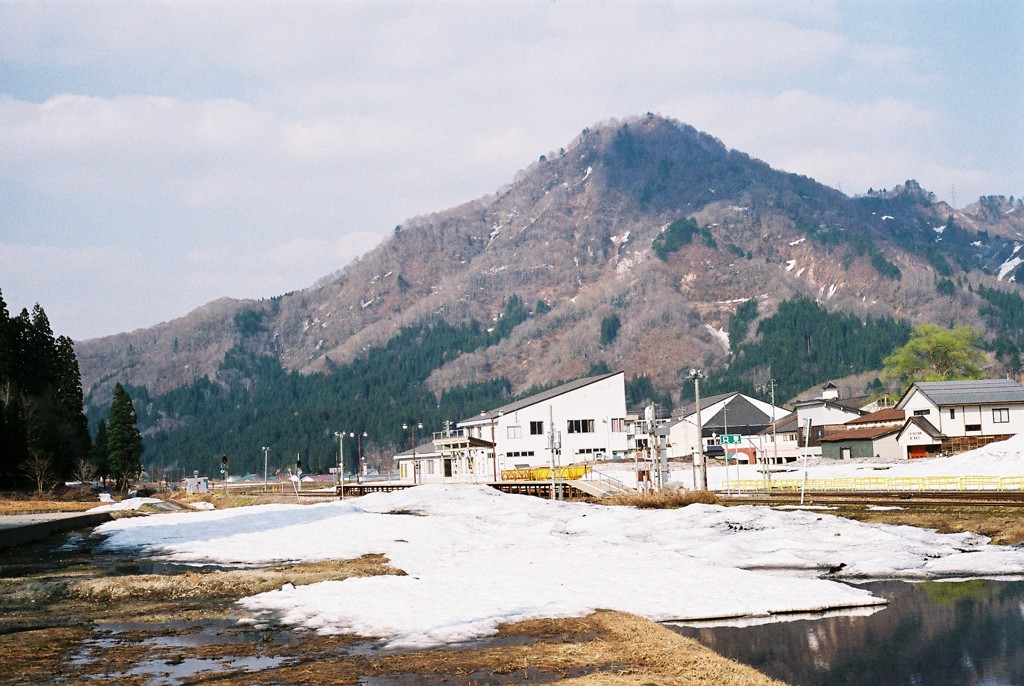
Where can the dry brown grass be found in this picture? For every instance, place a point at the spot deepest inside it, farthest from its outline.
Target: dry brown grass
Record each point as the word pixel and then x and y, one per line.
pixel 226 584
pixel 662 500
pixel 1004 526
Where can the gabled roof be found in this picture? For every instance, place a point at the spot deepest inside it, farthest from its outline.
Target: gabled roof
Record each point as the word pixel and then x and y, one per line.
pixel 923 424
pixel 977 392
pixel 738 411
pixel 538 398
pixel 784 424
pixel 846 404
pixel 862 434
pixel 705 403
pixel 887 414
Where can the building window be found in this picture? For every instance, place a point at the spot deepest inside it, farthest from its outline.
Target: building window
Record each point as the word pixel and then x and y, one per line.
pixel 618 425
pixel 922 413
pixel 581 426
pixel 972 427
pixel 430 466
pixel 514 431
pixel 536 428
pixel 520 453
pixel 952 413
pixel 1000 415
pixel 641 443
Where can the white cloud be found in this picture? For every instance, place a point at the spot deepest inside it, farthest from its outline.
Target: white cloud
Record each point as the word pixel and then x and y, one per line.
pixel 224 142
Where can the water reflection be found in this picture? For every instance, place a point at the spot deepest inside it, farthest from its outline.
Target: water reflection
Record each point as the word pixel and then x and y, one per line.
pixel 947 633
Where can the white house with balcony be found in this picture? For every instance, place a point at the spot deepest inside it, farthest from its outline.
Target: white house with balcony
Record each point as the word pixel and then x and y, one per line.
pixel 947 417
pixel 585 419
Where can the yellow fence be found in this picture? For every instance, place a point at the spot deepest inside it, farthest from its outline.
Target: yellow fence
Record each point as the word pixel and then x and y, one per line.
pixel 882 483
pixel 544 473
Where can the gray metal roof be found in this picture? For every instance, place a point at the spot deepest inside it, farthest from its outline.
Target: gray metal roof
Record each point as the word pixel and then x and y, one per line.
pixel 538 398
pixel 979 392
pixel 738 412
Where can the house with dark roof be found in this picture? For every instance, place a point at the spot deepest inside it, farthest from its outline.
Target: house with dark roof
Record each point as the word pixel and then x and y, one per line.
pixel 732 414
pixel 583 420
pixel 955 416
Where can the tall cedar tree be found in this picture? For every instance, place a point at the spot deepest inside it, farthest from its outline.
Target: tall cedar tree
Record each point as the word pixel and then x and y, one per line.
pixel 41 415
pixel 124 441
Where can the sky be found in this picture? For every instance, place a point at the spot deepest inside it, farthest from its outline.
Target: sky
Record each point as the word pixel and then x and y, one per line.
pixel 156 156
pixel 520 557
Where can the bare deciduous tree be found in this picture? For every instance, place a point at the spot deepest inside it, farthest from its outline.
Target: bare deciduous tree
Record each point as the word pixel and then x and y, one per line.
pixel 38 467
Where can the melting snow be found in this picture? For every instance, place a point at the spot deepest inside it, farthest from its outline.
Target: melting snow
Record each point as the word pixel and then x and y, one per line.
pixel 790 264
pixel 886 217
pixel 720 334
pixel 1008 266
pixel 475 558
pixel 797 242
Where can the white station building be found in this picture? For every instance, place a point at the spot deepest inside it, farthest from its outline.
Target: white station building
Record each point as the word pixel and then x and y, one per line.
pixel 583 420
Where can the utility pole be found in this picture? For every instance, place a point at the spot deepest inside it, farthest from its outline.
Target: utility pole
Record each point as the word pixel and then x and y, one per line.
pixel 696 375
pixel 770 386
pixel 266 450
pixel 415 462
pixel 554 444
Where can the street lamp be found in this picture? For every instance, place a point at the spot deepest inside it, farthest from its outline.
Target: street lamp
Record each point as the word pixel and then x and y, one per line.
pixel 770 385
pixel 341 460
pixel 415 463
pixel 361 474
pixel 696 375
pixel 494 444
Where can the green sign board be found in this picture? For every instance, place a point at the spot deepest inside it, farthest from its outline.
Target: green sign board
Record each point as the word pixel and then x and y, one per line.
pixel 730 439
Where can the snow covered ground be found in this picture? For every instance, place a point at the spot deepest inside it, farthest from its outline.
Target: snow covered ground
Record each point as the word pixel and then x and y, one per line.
pixel 1005 458
pixel 476 558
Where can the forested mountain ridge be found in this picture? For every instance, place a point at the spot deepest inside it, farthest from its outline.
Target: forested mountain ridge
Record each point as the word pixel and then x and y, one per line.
pixel 574 237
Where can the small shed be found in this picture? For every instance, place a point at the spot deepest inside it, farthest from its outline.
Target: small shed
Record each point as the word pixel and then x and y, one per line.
pixel 865 442
pixel 197 484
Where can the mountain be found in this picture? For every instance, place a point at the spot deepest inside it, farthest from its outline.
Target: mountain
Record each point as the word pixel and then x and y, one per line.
pixel 645 227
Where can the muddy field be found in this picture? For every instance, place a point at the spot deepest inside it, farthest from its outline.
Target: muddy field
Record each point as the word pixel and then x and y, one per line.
pixel 72 615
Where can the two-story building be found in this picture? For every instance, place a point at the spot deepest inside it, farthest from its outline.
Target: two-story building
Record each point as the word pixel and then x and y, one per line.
pixel 582 421
pixel 948 417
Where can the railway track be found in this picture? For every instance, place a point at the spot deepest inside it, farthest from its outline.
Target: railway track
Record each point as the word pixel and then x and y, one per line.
pixel 901 498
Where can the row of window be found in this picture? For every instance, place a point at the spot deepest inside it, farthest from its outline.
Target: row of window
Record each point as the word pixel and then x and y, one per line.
pixel 573 426
pixel 1000 415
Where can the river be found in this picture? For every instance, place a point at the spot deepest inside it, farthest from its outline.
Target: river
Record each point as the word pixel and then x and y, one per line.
pixel 949 633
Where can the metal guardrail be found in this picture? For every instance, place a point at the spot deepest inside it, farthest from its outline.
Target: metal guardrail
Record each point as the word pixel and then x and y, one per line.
pixel 608 481
pixel 544 473
pixel 884 483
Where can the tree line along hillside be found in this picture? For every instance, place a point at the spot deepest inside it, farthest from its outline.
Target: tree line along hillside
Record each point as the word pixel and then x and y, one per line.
pixel 800 346
pixel 253 402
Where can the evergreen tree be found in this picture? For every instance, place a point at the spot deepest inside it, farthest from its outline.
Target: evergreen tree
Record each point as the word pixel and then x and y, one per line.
pixel 123 439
